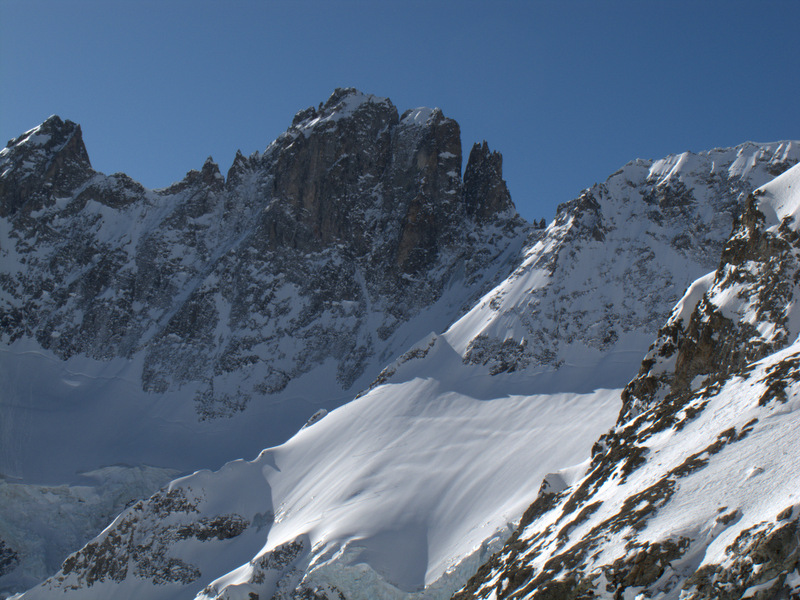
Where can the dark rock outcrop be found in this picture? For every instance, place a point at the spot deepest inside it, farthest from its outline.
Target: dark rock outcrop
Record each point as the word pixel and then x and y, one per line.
pixel 485 192
pixel 762 268
pixel 42 164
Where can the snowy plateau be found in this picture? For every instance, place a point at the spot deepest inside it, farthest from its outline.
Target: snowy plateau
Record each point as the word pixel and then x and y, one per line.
pixel 345 370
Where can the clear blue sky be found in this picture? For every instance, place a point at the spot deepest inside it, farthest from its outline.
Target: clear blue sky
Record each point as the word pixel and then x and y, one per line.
pixel 568 91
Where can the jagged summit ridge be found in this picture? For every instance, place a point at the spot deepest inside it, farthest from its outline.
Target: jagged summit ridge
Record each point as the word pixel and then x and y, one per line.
pixel 485 191
pixel 50 136
pixel 612 256
pixel 736 162
pixel 341 104
pixel 355 211
pixel 51 155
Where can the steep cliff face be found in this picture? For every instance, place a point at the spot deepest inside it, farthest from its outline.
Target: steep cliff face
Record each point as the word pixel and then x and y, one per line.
pixel 485 192
pixel 345 228
pixel 48 160
pixel 694 493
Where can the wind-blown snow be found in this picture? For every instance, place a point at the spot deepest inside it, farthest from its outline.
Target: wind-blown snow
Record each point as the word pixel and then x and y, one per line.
pixel 686 305
pixel 418 116
pixel 736 162
pixel 780 198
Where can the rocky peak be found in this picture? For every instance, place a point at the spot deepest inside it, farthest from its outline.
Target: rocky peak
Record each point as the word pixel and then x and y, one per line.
pixel 351 218
pixel 210 174
pixel 351 159
pixel 208 178
pixel 241 164
pixel 51 137
pixel 738 162
pixel 485 192
pixel 349 98
pixel 40 164
pixel 583 215
pixel 344 103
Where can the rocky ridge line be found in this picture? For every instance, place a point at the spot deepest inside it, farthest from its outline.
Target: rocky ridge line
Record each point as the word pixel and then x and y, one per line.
pixel 611 264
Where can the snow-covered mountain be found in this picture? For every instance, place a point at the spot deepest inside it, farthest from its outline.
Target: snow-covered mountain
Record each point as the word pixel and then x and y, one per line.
pixel 193 325
pixel 264 296
pixel 616 259
pixel 695 493
pixel 349 256
pixel 311 254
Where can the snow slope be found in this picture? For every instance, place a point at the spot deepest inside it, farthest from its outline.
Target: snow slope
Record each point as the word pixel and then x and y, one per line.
pixel 710 513
pixel 400 493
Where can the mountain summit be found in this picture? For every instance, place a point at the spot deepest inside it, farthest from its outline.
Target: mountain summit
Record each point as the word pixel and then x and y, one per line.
pixel 348 226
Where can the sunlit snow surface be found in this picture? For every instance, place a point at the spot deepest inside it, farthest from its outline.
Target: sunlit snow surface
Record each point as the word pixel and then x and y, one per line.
pixel 746 484
pixel 780 198
pixel 418 475
pixel 409 480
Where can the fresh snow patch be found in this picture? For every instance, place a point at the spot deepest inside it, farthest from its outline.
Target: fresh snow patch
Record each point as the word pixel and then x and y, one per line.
pixel 685 307
pixel 780 198
pixel 418 116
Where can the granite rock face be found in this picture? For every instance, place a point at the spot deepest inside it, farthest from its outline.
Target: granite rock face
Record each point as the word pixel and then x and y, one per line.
pixel 47 161
pixel 485 192
pixel 318 249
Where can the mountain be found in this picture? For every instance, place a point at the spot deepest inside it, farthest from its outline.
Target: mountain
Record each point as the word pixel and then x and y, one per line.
pixel 279 290
pixel 174 329
pixel 190 326
pixel 695 492
pixel 404 491
pixel 606 274
pixel 314 253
